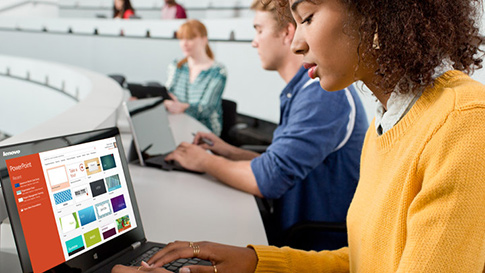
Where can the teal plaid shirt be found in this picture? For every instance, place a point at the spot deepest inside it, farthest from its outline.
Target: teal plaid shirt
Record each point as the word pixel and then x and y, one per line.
pixel 204 95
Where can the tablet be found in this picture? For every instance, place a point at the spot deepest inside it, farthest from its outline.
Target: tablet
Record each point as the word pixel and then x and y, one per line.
pixel 148 91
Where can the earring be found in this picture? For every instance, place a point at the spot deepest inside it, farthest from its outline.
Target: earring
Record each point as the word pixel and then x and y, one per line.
pixel 375 42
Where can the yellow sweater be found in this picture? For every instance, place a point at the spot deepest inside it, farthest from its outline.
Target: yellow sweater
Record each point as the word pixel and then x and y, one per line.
pixel 420 202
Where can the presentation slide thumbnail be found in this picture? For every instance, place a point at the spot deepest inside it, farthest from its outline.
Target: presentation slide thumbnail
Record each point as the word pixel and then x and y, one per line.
pixel 76 172
pixel 92 237
pixel 108 231
pixel 92 166
pixel 108 162
pixel 81 194
pixel 113 182
pixel 69 222
pixel 118 203
pixel 103 209
pixel 97 187
pixel 87 216
pixel 74 245
pixel 62 197
pixel 123 223
pixel 58 178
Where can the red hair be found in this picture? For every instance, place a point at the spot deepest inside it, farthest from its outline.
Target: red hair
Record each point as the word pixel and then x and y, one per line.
pixel 189 30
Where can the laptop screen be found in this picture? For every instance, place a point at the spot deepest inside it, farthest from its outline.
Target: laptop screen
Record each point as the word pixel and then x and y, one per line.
pixel 150 127
pixel 70 200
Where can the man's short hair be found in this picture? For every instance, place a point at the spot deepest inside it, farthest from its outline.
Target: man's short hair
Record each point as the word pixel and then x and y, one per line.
pixel 282 17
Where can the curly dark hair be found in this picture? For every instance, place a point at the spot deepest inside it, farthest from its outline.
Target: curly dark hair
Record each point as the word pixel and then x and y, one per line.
pixel 414 37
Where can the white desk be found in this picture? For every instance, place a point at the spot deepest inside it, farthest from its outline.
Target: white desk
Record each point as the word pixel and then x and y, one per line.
pixel 179 206
pixel 185 206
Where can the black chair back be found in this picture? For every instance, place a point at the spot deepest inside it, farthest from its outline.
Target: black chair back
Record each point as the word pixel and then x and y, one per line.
pixel 229 115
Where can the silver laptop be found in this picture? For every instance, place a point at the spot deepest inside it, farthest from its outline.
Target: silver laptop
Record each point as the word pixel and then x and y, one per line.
pixel 149 125
pixel 152 136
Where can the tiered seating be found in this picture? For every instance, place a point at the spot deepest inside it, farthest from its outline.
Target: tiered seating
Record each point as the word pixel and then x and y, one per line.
pixel 150 9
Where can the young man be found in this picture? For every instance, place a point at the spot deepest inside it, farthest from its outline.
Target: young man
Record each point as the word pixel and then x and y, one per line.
pixel 311 168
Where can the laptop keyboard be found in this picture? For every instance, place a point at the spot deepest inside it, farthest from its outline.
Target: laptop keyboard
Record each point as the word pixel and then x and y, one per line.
pixel 173 266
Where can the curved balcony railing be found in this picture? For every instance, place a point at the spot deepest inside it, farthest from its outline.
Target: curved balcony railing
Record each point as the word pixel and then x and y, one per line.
pixel 85 100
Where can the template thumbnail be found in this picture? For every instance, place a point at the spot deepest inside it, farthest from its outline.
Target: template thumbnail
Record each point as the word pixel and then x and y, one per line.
pixel 62 197
pixel 81 193
pixel 113 182
pixel 97 187
pixel 69 222
pixel 58 178
pixel 76 172
pixel 108 231
pixel 123 223
pixel 92 166
pixel 87 216
pixel 103 209
pixel 108 162
pixel 92 237
pixel 118 203
pixel 75 245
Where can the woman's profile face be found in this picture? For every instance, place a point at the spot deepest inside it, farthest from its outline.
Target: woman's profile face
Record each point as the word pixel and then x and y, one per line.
pixel 327 41
pixel 194 46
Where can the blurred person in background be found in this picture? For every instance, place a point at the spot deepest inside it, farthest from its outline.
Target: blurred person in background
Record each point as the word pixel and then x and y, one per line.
pixel 172 10
pixel 123 9
pixel 197 81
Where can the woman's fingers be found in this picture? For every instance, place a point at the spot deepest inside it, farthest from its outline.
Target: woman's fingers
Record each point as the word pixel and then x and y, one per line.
pixel 178 250
pixel 199 269
pixel 226 258
pixel 138 269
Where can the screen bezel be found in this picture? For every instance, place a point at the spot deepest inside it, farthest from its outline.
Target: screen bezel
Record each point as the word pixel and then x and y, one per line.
pixel 96 255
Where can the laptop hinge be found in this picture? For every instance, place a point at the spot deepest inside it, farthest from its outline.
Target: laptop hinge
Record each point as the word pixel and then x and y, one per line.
pixel 136 245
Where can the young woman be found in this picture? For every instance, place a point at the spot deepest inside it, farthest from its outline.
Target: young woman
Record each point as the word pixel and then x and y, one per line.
pixel 419 204
pixel 196 82
pixel 173 10
pixel 123 9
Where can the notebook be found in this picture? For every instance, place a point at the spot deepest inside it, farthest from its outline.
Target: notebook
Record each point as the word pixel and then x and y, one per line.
pixel 152 136
pixel 71 204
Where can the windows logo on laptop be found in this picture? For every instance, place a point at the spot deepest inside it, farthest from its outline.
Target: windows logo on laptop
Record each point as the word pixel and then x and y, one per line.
pixel 71 204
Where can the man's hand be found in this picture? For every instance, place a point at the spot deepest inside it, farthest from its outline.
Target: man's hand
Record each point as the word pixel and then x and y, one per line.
pixel 190 156
pixel 218 147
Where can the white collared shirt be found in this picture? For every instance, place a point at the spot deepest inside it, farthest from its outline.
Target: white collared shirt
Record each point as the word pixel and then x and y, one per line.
pixel 400 103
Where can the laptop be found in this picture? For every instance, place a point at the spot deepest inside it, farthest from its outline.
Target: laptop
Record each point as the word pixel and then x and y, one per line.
pixel 152 136
pixel 72 206
pixel 148 91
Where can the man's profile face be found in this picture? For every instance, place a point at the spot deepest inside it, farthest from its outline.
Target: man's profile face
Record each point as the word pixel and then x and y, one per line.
pixel 268 40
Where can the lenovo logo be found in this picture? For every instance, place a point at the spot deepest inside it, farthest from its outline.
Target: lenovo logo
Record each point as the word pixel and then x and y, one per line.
pixel 11 153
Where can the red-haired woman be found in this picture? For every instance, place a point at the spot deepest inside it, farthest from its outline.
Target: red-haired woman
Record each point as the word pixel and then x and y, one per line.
pixel 197 81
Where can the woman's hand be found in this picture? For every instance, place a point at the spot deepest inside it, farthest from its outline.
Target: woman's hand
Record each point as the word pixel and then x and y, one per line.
pixel 224 258
pixel 174 106
pixel 138 269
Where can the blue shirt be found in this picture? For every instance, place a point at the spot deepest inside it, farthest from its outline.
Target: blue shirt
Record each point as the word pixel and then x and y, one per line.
pixel 311 168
